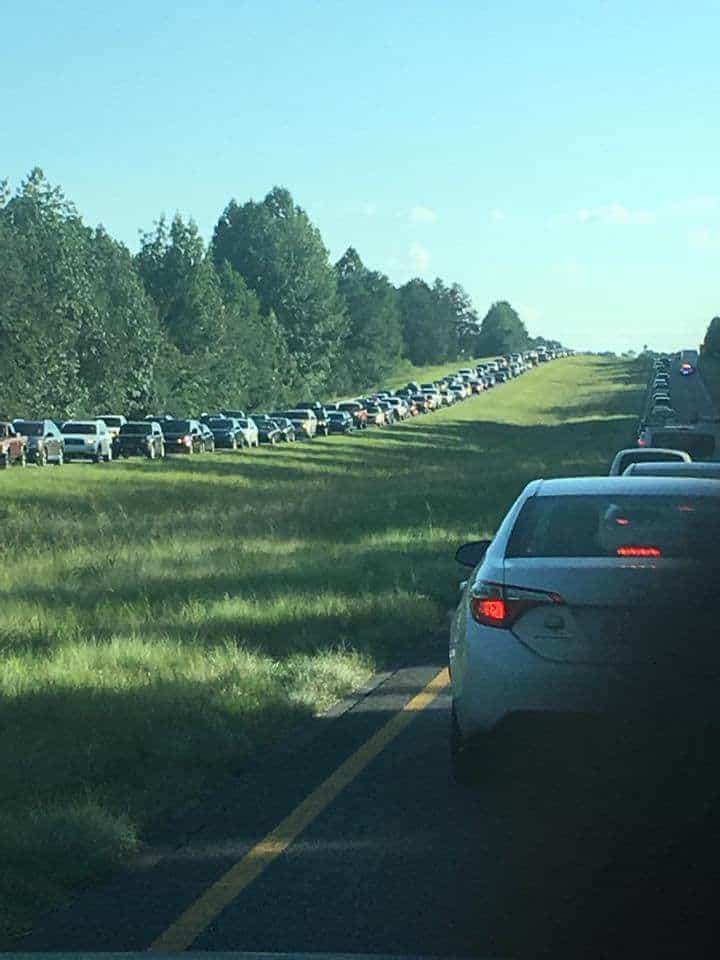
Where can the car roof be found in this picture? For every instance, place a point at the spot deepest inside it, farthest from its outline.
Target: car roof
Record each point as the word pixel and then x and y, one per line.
pixel 594 486
pixel 696 468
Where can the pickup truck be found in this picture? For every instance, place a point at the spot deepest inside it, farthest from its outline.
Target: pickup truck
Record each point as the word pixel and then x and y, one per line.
pixel 13 446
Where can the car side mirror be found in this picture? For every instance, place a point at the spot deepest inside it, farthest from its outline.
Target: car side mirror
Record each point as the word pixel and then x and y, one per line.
pixel 470 554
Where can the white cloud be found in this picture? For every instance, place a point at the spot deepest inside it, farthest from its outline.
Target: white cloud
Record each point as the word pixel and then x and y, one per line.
pixel 421 214
pixel 614 214
pixel 497 216
pixel 418 257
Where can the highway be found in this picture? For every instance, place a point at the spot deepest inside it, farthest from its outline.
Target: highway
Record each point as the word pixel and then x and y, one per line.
pixel 688 395
pixel 582 840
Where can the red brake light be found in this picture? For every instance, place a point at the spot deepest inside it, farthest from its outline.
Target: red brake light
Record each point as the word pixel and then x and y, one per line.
pixel 639 552
pixel 495 605
pixel 641 442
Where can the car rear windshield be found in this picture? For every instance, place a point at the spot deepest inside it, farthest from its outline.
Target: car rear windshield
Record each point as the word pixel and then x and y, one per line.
pixel 135 429
pixel 71 427
pixel 651 457
pixel 112 421
pixel 177 426
pixel 29 428
pixel 678 527
pixel 700 446
pixel 220 423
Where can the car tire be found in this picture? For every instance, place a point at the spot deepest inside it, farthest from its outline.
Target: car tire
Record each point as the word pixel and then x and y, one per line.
pixel 60 458
pixel 108 455
pixel 468 760
pixel 41 458
pixel 162 451
pixel 99 456
pixel 151 452
pixel 22 460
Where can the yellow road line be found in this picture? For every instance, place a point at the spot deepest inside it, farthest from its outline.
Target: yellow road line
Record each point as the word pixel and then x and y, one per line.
pixel 199 915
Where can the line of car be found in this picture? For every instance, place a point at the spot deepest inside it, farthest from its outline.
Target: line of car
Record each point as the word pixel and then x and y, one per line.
pixel 596 596
pixel 112 436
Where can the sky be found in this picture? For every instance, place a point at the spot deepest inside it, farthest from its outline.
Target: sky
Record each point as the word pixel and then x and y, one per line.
pixel 562 156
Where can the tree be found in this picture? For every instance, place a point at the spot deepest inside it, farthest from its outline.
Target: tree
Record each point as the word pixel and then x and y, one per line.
pixel 711 343
pixel 281 256
pixel 374 342
pixel 502 331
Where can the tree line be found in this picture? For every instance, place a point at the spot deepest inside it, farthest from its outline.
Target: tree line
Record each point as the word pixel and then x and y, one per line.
pixel 258 316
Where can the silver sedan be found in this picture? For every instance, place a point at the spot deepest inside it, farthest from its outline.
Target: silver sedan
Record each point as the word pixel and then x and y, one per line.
pixel 597 595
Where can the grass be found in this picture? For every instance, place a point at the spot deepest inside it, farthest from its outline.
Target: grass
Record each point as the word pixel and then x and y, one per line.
pixel 159 622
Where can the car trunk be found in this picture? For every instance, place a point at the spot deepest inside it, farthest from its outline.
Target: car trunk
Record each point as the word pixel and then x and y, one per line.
pixel 620 611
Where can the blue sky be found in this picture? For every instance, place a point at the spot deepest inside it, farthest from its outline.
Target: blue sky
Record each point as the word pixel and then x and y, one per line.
pixel 563 156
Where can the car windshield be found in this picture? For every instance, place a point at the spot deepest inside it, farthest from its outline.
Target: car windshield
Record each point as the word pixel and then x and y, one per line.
pixel 676 527
pixel 176 426
pixel 29 428
pixel 73 427
pixel 135 429
pixel 219 423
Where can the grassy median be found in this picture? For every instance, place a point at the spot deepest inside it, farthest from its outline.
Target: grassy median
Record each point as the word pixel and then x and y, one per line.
pixel 161 621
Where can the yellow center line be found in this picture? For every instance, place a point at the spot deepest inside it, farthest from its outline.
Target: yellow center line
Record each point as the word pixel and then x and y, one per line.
pixel 200 914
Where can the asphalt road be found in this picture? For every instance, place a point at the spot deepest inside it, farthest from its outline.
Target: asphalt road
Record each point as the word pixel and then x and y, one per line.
pixel 688 395
pixel 581 840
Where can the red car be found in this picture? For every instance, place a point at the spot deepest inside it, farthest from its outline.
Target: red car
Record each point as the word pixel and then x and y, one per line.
pixel 357 411
pixel 13 446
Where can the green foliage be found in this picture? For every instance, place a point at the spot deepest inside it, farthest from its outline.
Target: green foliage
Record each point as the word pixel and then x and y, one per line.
pixel 502 331
pixel 711 343
pixel 259 319
pixel 281 256
pixel 374 341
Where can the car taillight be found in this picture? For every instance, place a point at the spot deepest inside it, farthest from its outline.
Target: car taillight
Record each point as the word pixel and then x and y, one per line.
pixel 639 552
pixel 641 442
pixel 497 605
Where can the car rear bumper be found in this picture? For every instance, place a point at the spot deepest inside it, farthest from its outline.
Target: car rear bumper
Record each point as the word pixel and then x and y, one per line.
pixel 496 676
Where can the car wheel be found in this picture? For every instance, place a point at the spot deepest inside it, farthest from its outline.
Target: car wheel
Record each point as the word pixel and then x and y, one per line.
pixel 151 452
pixel 99 456
pixel 467 758
pixel 60 458
pixel 162 451
pixel 42 457
pixel 22 460
pixel 108 458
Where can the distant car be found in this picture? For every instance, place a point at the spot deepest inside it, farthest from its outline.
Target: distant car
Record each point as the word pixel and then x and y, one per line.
pixel 183 436
pixel 661 397
pixel 623 458
pixel 208 438
pixel 287 428
pixel 422 402
pixel 376 415
pixel 140 438
pixel 87 440
pixel 269 431
pixel 340 422
pixel 707 469
pixel 356 410
pixel 582 604
pixel 113 422
pixel 226 432
pixel 688 362
pixel 249 432
pixel 304 421
pixel 663 410
pixel 13 446
pixel 45 443
pixel 236 414
pixel 320 414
